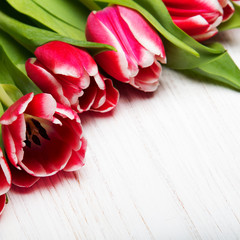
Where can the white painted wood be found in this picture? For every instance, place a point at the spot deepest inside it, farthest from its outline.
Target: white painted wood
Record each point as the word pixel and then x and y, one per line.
pixel 160 166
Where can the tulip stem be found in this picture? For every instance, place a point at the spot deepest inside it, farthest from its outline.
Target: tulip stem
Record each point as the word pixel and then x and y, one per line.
pixel 6 201
pixel 4 98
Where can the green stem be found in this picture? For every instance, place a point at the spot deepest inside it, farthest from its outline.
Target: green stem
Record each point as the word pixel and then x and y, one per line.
pixel 91 5
pixel 6 199
pixel 4 98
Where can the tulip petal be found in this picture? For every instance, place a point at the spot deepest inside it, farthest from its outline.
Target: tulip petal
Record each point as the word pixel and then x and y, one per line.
pixel 60 58
pixel 136 53
pixel 112 97
pixel 96 31
pixel 5 175
pixel 87 62
pixel 11 114
pixel 43 106
pixel 67 112
pixel 76 160
pixel 17 130
pixel 198 5
pixel 228 11
pixel 132 49
pixel 45 80
pixel 77 128
pixel 141 30
pixel 99 81
pixel 82 82
pixel 55 151
pixel 68 131
pixel 100 97
pixel 205 36
pixel 148 78
pixel 192 25
pixel 87 99
pixel 71 92
pixel 9 145
pixel 2 203
pixel 21 178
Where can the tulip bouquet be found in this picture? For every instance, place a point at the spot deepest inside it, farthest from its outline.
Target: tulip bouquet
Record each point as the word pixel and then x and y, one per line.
pixel 61 58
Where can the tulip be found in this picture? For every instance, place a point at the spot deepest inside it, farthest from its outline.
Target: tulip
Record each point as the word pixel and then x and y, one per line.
pixel 72 77
pixel 198 18
pixel 139 48
pixel 5 180
pixel 41 137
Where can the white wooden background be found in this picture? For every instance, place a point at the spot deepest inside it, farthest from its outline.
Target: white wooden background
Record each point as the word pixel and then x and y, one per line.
pixel 161 166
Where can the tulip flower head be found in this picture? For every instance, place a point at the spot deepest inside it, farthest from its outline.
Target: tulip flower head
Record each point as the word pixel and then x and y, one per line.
pixel 41 137
pixel 5 180
pixel 139 48
pixel 199 18
pixel 71 76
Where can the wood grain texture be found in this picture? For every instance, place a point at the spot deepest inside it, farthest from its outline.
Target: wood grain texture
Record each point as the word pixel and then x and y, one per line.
pixel 160 166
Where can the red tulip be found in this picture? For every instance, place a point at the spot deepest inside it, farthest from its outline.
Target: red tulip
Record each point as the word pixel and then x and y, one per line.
pixel 138 46
pixel 71 76
pixel 199 18
pixel 41 137
pixel 5 180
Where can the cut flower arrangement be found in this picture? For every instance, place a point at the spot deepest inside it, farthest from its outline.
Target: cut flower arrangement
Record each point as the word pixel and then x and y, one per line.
pixel 62 58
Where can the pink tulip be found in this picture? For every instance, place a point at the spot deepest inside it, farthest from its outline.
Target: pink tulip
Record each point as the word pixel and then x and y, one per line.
pixel 71 76
pixel 138 46
pixel 41 137
pixel 5 180
pixel 199 18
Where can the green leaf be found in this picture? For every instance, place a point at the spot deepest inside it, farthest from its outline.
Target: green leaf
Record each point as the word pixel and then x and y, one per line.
pixel 16 53
pixel 179 59
pixel 1 113
pixel 4 98
pixel 233 22
pixel 222 69
pixel 33 10
pixel 32 37
pixel 5 76
pixel 10 74
pixel 12 91
pixel 69 11
pixel 10 11
pixel 90 4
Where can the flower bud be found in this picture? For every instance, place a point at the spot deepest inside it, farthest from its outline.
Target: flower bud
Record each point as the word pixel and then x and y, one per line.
pixel 198 18
pixel 71 76
pixel 139 48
